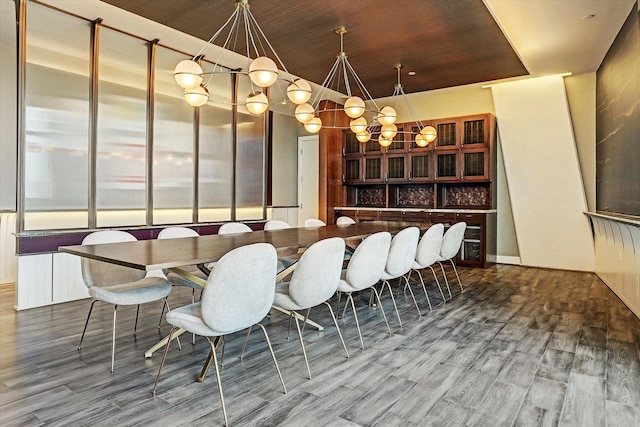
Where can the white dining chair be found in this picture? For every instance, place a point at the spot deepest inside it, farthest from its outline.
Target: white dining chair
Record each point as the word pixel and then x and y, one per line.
pixel 427 255
pixel 365 270
pixel 314 222
pixel 402 253
pixel 234 227
pixel 238 295
pixel 345 220
pixel 118 285
pixel 195 279
pixel 276 224
pixel 314 281
pixel 451 243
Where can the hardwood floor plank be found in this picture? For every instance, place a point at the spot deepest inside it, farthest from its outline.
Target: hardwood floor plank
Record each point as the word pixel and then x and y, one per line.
pixel 500 406
pixel 584 403
pixel 520 369
pixel 556 365
pixel 367 410
pixel 521 346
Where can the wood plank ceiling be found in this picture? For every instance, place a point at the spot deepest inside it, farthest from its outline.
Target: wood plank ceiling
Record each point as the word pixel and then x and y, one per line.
pixel 446 42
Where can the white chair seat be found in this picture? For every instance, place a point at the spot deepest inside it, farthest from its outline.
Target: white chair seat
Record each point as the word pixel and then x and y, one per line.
pixel 189 318
pixel 132 293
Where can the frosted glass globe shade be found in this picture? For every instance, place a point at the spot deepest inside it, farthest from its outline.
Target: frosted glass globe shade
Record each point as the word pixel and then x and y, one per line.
pixel 263 71
pixel 389 131
pixel 304 113
pixel 421 140
pixel 354 107
pixel 299 91
pixel 257 102
pixel 384 141
pixel 387 116
pixel 313 125
pixel 363 136
pixel 197 96
pixel 429 133
pixel 188 74
pixel 358 125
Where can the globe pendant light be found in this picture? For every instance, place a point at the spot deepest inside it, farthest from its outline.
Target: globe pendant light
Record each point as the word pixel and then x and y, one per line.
pixel 358 125
pixel 313 125
pixel 343 78
pixel 304 113
pixel 389 131
pixel 299 91
pixel 384 141
pixel 257 102
pixel 197 96
pixel 363 136
pixel 387 116
pixel 262 71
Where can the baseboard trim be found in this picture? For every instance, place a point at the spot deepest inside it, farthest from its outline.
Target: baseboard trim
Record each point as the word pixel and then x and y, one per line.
pixel 503 259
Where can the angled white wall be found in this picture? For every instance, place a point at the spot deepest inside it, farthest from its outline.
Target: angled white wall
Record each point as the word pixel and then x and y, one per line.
pixel 543 174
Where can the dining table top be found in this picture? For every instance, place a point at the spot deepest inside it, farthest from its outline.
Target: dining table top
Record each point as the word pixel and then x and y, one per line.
pixel 157 254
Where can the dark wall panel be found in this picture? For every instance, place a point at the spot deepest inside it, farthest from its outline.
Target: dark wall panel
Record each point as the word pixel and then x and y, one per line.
pixel 618 123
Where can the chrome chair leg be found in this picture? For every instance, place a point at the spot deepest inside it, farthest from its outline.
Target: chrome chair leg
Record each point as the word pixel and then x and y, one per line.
pixel 207 363
pixel 162 313
pixel 166 304
pixel 413 297
pixel 355 316
pixel 424 288
pixel 438 283
pixel 388 286
pixel 86 323
pixel 455 270
pixel 215 361
pixel 304 352
pixel 384 316
pixel 335 322
pixel 113 338
pixel 446 281
pixel 273 356
pixel 135 325
pixel 306 317
pixel 246 340
pixel 164 358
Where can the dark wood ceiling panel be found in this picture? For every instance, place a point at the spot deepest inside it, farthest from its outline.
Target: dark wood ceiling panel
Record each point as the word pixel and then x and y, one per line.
pixel 446 42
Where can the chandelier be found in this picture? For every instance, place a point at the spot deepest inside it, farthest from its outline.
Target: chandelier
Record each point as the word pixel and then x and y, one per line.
pixel 385 133
pixel 355 107
pixel 262 71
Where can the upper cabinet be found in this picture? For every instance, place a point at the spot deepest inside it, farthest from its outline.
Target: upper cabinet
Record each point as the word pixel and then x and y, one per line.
pixel 462 148
pixel 456 170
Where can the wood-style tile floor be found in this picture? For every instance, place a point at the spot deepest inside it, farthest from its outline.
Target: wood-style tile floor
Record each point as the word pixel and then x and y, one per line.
pixel 521 346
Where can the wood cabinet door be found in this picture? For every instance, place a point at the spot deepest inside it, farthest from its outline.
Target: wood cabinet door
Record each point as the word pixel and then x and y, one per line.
pixel 474 164
pixel 352 169
pixel 395 168
pixel 420 165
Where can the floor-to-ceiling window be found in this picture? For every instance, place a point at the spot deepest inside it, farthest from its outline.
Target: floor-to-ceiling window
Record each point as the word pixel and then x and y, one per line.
pixel 102 150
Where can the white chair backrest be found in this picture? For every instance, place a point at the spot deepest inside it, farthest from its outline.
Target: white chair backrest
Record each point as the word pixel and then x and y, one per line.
pixel 234 227
pixel 452 240
pixel 317 274
pixel 276 224
pixel 240 290
pixel 177 232
pixel 313 222
pixel 99 273
pixel 345 220
pixel 402 252
pixel 368 261
pixel 429 246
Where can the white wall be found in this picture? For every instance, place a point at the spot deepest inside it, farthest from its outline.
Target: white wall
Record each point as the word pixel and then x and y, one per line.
pixel 543 174
pixel 581 94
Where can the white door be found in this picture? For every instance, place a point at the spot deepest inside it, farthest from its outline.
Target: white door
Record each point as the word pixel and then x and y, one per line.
pixel 307 178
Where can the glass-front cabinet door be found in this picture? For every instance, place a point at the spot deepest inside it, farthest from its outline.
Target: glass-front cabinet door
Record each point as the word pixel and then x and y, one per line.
pixel 396 170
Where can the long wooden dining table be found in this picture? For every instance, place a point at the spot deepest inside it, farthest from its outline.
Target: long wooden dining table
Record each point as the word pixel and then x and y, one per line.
pixel 157 254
